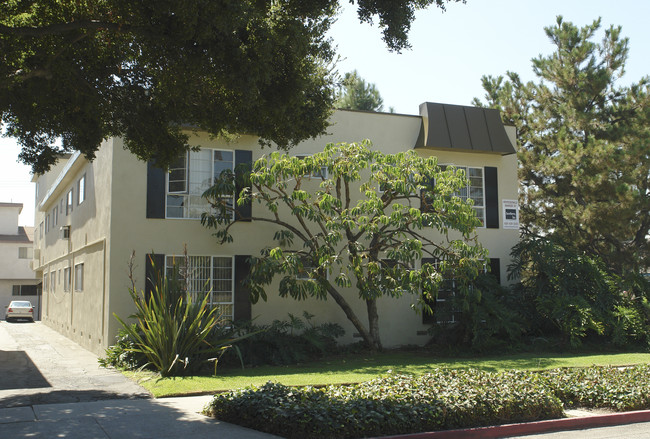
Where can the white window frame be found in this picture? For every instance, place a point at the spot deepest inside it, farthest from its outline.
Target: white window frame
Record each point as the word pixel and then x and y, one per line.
pixel 79 277
pixel 81 190
pixel 468 189
pixel 187 191
pixel 195 292
pixel 55 216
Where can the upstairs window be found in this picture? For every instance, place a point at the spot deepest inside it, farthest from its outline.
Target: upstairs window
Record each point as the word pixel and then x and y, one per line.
pixel 25 252
pixel 474 190
pixel 190 176
pixel 81 189
pixel 68 206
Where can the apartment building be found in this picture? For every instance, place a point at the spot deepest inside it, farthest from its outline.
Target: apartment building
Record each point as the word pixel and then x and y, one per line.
pixel 91 216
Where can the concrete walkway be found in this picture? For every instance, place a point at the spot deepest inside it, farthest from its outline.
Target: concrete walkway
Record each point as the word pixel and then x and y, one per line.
pixel 120 419
pixel 40 366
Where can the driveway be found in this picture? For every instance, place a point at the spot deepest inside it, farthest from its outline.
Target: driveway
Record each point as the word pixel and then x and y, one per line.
pixel 40 366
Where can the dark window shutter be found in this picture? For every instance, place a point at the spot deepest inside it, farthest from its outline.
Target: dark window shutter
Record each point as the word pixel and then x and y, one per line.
pixel 429 318
pixel 155 191
pixel 243 167
pixel 154 268
pixel 242 291
pixel 491 198
pixel 495 269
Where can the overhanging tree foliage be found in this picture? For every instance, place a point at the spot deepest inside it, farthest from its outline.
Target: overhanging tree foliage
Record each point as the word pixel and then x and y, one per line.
pixel 584 146
pixel 86 70
pixel 353 219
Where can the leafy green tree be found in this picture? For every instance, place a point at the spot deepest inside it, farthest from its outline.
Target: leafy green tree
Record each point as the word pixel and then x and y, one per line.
pixel 356 94
pixel 85 70
pixel 583 146
pixel 352 217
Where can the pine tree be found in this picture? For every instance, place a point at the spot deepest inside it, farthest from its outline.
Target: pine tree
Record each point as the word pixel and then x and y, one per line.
pixel 356 94
pixel 584 145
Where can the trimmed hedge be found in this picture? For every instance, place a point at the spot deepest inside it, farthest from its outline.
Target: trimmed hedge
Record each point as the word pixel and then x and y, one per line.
pixel 441 400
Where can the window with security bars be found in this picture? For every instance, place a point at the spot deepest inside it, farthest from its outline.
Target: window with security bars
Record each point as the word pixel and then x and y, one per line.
pixel 442 306
pixel 211 275
pixel 190 176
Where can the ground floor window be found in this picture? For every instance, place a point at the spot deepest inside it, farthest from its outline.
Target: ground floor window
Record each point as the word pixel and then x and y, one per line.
pixel 212 275
pixel 79 277
pixel 25 290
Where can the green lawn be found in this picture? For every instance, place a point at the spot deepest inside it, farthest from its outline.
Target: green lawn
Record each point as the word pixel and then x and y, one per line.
pixel 357 368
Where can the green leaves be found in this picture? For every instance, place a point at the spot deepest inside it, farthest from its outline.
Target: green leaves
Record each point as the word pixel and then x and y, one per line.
pixel 579 131
pixel 342 211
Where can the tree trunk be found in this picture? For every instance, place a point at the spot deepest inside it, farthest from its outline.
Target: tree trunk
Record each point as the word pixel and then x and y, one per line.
pixel 370 337
pixel 373 323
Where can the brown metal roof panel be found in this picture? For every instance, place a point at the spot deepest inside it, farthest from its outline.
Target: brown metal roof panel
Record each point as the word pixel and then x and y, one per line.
pixel 500 141
pixel 478 131
pixel 458 132
pixel 437 131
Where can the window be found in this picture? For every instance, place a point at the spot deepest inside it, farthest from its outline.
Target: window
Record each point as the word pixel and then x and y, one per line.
pixel 47 223
pixel 207 274
pixel 474 190
pixel 40 229
pixel 55 216
pixel 62 206
pixel 443 308
pixel 66 279
pixel 190 176
pixel 25 252
pixel 45 285
pixel 68 206
pixel 25 290
pixel 79 277
pixel 81 189
pixel 53 281
pixel 308 268
pixel 322 173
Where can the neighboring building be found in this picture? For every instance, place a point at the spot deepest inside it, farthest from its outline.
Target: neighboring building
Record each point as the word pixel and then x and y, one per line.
pixel 17 279
pixel 91 216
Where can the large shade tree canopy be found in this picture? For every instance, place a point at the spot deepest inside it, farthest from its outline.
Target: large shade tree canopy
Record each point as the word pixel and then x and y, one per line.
pixel 85 70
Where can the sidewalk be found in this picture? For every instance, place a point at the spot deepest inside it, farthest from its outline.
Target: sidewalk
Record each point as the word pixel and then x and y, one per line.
pixel 120 419
pixel 169 418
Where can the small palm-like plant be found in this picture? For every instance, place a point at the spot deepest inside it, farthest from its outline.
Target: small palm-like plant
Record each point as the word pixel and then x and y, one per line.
pixel 172 330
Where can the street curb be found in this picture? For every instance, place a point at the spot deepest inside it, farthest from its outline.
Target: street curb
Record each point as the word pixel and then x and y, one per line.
pixel 506 430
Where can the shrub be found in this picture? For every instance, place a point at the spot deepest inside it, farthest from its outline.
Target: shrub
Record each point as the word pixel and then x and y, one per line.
pixel 441 400
pixel 122 354
pixel 395 404
pixel 171 331
pixel 283 342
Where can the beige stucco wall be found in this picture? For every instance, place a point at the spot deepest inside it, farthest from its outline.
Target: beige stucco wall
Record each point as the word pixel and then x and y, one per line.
pixel 80 315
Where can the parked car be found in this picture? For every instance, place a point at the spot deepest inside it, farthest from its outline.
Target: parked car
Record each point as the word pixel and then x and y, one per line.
pixel 20 309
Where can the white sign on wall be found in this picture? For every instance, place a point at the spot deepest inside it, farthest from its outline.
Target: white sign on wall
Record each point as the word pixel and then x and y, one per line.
pixel 510 214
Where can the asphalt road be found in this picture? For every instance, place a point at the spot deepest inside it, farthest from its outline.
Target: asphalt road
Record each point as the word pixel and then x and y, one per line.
pixel 40 366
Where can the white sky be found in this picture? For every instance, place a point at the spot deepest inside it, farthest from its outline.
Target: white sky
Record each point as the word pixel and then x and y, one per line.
pixel 450 52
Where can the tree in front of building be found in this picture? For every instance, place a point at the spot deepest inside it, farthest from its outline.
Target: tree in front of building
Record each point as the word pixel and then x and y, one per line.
pixel 356 94
pixel 350 224
pixel 584 146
